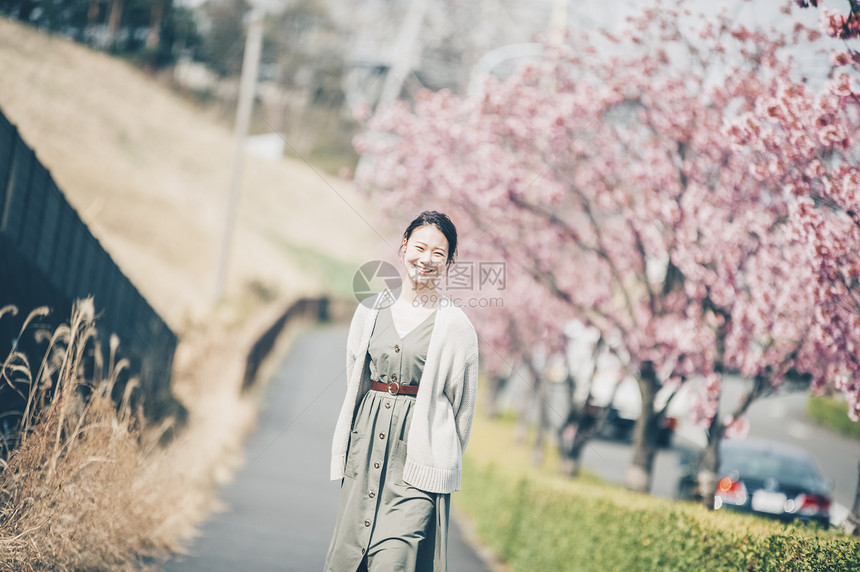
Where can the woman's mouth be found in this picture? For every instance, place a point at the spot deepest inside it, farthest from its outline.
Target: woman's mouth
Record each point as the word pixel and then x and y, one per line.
pixel 423 271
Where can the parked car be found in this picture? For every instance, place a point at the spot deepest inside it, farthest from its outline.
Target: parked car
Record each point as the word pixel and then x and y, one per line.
pixel 766 478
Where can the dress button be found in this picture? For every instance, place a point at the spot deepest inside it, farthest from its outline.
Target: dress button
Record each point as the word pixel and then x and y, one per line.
pixel 396 348
pixel 376 465
pixel 372 494
pixel 366 523
pixel 394 377
pixel 388 405
pixel 382 435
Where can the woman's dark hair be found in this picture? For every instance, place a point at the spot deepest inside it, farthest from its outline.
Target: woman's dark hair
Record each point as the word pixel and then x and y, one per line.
pixel 440 221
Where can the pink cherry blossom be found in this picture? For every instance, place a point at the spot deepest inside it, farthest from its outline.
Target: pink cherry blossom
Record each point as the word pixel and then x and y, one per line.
pixel 832 23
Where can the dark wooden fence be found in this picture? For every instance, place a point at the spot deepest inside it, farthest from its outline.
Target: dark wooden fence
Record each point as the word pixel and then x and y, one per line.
pixel 48 257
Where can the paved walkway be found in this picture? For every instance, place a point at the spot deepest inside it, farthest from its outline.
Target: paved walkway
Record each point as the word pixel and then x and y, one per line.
pixel 282 505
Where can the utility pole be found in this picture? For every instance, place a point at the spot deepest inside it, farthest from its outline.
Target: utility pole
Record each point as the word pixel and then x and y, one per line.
pixel 556 32
pixel 403 56
pixel 558 21
pixel 247 85
pixel 406 51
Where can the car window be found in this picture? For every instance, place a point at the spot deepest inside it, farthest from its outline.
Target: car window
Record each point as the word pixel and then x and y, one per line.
pixel 763 464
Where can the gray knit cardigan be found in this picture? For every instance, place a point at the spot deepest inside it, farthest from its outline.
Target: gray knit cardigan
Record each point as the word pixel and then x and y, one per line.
pixel 444 406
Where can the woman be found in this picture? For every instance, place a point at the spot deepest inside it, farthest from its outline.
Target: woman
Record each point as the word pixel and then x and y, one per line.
pixel 411 373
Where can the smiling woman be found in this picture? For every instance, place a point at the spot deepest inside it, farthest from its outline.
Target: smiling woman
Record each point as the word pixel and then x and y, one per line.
pixel 405 421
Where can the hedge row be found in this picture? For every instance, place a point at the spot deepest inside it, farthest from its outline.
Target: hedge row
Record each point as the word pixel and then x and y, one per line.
pixel 547 524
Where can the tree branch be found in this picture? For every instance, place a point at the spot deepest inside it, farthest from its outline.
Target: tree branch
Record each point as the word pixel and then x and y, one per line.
pixel 604 253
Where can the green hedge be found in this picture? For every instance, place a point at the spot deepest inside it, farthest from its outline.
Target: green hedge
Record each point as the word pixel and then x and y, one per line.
pixel 832 413
pixel 544 525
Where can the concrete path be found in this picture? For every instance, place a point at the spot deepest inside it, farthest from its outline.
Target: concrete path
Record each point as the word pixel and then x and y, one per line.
pixel 282 505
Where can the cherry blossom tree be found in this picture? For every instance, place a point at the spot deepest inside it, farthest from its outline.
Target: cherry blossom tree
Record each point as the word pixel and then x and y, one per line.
pixel 809 144
pixel 814 137
pixel 607 180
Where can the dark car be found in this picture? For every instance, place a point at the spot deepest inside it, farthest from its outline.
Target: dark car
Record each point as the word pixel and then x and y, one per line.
pixel 769 479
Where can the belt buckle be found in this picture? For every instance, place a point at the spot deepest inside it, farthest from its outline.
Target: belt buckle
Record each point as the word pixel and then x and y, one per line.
pixel 394 392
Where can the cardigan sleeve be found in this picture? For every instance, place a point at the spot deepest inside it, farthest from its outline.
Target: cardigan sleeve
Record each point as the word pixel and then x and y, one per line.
pixel 463 389
pixel 352 340
pixel 340 438
pixel 465 412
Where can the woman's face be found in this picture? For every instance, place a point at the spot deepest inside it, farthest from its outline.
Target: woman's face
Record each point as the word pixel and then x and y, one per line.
pixel 425 254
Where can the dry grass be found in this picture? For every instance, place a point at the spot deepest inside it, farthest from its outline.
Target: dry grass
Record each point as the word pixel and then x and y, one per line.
pixel 86 487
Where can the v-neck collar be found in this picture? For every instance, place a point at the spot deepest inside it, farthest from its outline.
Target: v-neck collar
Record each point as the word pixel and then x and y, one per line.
pixel 406 335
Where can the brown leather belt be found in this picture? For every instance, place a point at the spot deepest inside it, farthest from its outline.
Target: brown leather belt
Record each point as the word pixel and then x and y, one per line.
pixel 394 388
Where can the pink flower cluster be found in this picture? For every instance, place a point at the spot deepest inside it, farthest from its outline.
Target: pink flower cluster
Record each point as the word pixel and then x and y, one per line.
pixel 836 25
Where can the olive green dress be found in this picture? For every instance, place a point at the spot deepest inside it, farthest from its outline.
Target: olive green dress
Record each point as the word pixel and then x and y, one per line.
pixel 384 524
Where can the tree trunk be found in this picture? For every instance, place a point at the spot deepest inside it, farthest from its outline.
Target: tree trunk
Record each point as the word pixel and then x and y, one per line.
pixel 156 14
pixel 852 523
pixel 639 473
pixel 706 478
pixel 114 20
pixel 567 448
pixel 92 11
pixel 491 397
pixel 573 439
pixel 577 431
pixel 524 413
pixel 569 466
pixel 582 423
pixel 90 30
pixel 540 398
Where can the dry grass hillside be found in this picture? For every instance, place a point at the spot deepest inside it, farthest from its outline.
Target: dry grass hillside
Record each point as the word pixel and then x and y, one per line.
pixel 149 171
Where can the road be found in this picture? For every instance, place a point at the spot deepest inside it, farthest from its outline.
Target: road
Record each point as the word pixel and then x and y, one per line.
pixel 281 506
